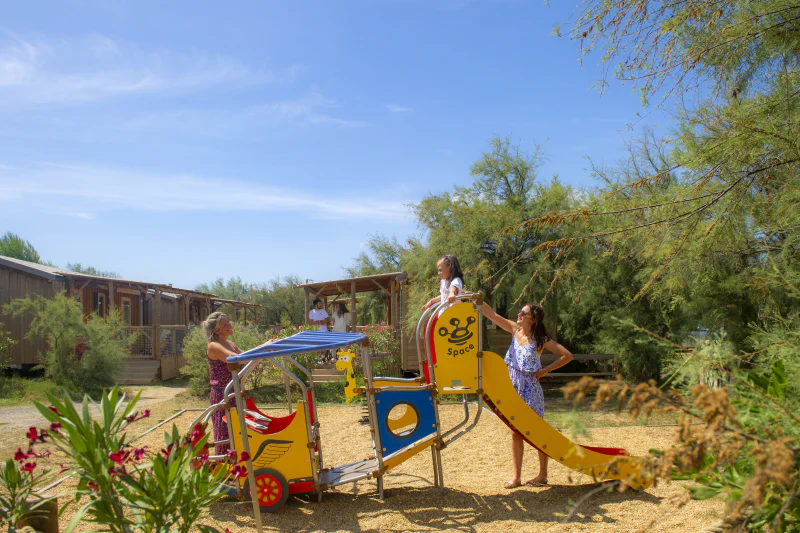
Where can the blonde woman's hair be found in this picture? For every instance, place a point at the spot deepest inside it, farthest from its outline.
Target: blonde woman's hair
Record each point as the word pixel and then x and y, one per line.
pixel 211 323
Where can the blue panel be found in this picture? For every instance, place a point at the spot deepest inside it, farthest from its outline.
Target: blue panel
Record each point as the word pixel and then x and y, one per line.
pixel 421 401
pixel 305 341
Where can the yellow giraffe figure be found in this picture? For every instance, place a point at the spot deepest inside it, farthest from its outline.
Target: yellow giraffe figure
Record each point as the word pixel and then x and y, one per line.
pixel 344 362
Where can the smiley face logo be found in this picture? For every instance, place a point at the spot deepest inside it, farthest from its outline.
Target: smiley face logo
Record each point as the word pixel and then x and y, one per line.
pixel 460 335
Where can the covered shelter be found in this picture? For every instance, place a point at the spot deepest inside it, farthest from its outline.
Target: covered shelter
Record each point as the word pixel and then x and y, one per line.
pixel 390 288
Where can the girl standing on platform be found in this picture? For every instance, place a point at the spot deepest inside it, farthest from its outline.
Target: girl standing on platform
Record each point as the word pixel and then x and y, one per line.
pixel 451 284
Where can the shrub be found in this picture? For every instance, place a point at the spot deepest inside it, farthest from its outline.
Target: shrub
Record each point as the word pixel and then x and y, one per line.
pixel 106 348
pixel 124 490
pixel 79 355
pixel 6 342
pixel 385 351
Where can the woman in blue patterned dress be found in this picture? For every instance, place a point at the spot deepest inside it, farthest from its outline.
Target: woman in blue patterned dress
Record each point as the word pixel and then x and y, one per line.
pixel 529 339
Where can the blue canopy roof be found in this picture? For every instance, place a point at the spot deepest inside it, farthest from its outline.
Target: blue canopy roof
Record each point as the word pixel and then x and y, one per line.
pixel 305 341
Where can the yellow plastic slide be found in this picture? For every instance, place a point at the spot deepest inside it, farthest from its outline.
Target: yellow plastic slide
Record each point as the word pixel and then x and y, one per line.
pixel 600 463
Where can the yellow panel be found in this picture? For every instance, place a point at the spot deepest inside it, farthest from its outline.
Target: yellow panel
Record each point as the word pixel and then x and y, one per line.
pixel 455 337
pixel 497 386
pixel 285 451
pixel 408 418
pixel 390 463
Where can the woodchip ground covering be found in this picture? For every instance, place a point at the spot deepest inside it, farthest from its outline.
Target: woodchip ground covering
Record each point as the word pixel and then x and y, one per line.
pixel 473 500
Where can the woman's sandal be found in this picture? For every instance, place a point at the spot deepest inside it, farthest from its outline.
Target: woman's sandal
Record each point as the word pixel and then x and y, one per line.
pixel 508 485
pixel 532 483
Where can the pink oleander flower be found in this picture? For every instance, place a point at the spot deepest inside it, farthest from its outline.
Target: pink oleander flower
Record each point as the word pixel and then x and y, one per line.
pixel 28 467
pixel 244 457
pixel 138 453
pixel 34 453
pixel 118 471
pixel 145 413
pixel 120 457
pixel 32 434
pixel 19 455
pixel 239 471
pixel 54 410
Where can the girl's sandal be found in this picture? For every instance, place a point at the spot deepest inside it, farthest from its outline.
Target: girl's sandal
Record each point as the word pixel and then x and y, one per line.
pixel 532 483
pixel 508 485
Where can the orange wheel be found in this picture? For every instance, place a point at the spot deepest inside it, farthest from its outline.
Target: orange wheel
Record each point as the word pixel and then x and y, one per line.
pixel 272 489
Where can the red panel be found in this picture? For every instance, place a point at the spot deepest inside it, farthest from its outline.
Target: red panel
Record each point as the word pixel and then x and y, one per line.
pixel 607 451
pixel 425 370
pixel 310 407
pixel 277 423
pixel 301 487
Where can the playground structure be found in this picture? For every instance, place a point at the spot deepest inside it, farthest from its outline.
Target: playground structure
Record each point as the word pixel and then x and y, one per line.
pixel 285 453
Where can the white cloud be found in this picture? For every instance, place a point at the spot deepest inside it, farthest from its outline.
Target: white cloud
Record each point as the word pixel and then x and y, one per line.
pixel 97 68
pixel 394 108
pixel 50 187
pixel 311 109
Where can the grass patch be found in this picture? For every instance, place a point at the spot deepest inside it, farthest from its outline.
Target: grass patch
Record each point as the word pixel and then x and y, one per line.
pixel 16 390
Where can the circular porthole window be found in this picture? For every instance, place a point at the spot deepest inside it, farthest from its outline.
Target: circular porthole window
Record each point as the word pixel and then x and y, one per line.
pixel 402 420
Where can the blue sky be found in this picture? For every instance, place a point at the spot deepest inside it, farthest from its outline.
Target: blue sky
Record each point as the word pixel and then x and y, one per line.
pixel 182 141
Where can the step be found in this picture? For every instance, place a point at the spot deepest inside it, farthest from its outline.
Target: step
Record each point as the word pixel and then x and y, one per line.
pixel 328 379
pixel 139 375
pixel 137 381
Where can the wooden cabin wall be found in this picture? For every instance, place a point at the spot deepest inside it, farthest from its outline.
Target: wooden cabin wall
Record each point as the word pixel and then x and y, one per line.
pixel 171 312
pixel 15 284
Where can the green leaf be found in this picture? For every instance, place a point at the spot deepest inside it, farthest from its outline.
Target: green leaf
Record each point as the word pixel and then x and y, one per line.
pixel 778 384
pixel 77 517
pixel 702 492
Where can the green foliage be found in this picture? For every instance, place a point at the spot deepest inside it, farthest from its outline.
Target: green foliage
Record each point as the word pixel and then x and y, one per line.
pixel 17 481
pixel 92 271
pixel 127 490
pixel 80 355
pixel 385 349
pixel 6 342
pixel 708 217
pixel 587 292
pixel 281 303
pixel 383 255
pixel 12 245
pixel 195 361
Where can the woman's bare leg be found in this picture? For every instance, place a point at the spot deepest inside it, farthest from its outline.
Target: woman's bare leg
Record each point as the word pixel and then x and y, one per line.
pixel 517 449
pixel 541 478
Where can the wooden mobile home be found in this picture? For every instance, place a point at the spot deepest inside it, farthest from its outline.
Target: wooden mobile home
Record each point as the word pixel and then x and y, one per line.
pixel 149 311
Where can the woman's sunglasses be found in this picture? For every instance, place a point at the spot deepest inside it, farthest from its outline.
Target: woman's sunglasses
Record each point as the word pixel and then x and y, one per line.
pixel 523 313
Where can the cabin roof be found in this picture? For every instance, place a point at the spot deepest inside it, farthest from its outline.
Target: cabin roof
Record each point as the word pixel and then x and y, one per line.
pixel 345 286
pixel 60 274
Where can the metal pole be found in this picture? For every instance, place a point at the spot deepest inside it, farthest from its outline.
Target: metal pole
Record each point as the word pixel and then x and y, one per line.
pixel 435 470
pixel 251 478
pixel 288 387
pixel 371 402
